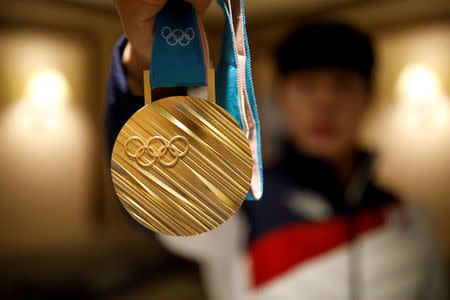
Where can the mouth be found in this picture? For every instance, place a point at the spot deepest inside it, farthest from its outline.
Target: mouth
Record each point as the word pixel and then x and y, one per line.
pixel 323 131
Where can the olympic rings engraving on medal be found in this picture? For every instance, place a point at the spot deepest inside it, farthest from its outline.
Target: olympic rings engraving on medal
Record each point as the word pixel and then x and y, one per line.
pixel 177 36
pixel 155 154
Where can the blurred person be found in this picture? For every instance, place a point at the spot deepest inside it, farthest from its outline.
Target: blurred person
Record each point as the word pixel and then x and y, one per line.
pixel 323 229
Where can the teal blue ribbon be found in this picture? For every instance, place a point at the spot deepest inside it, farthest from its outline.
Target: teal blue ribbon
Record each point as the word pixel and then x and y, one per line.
pixel 227 91
pixel 177 55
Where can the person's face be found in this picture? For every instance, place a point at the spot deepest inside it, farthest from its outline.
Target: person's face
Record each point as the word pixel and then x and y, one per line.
pixel 322 109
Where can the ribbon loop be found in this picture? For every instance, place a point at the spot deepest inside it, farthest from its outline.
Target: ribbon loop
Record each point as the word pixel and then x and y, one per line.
pixel 180 52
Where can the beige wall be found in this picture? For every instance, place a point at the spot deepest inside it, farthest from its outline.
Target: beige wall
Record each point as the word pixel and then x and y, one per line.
pixel 54 186
pixel 414 138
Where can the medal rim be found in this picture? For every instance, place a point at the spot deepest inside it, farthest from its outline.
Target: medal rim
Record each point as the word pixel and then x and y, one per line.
pixel 123 202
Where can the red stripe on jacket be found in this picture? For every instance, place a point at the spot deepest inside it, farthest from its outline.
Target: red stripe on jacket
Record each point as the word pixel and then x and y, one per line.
pixel 288 246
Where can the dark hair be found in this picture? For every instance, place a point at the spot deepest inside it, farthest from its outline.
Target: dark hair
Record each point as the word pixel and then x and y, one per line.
pixel 326 45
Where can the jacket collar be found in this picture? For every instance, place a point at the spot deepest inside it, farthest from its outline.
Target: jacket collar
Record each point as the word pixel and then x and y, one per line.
pixel 320 176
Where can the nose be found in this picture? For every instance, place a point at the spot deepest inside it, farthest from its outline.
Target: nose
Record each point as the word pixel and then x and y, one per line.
pixel 325 96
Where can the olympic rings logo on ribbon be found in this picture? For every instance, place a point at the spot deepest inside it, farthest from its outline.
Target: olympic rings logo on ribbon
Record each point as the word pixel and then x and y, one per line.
pixel 177 36
pixel 157 153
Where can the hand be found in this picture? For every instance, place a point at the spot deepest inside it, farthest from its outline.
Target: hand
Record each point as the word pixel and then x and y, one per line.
pixel 138 22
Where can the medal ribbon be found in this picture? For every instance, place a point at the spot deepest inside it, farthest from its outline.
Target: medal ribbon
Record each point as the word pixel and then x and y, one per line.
pixel 234 86
pixel 180 57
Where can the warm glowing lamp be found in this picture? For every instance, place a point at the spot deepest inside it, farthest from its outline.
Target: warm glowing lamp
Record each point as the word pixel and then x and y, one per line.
pixel 420 91
pixel 418 83
pixel 48 89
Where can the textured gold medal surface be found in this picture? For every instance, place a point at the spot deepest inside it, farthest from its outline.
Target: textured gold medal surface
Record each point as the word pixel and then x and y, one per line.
pixel 181 166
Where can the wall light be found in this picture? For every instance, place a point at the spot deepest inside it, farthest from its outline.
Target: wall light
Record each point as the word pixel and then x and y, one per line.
pixel 424 104
pixel 48 89
pixel 418 83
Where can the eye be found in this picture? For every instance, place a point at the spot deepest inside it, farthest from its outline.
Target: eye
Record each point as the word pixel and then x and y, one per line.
pixel 348 82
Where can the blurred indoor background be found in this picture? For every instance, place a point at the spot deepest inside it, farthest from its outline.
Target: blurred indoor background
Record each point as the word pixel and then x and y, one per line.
pixel 62 232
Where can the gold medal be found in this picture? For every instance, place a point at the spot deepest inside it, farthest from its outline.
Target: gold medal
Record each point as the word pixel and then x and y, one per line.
pixel 181 165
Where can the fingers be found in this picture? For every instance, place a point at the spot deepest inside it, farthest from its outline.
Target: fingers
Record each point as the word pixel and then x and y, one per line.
pixel 139 8
pixel 199 5
pixel 152 7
